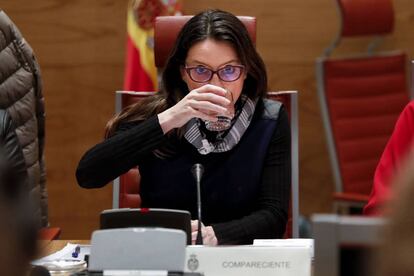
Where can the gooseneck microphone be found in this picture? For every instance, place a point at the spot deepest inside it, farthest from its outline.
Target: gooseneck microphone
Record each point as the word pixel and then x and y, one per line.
pixel 198 171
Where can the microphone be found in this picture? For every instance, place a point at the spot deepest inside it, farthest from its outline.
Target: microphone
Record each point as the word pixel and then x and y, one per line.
pixel 198 170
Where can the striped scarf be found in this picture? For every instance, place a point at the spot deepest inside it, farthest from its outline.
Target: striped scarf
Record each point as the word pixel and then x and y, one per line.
pixel 227 139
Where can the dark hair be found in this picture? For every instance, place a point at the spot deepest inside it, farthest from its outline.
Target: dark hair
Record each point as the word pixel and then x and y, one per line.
pixel 214 24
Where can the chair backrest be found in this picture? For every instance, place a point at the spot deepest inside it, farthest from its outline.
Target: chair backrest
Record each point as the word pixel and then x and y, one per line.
pixel 360 101
pixel 126 187
pixel 167 28
pixel 357 19
pixel 290 101
pixel 360 98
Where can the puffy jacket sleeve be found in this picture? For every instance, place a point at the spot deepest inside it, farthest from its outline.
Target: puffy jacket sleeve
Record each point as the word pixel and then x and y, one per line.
pixel 13 173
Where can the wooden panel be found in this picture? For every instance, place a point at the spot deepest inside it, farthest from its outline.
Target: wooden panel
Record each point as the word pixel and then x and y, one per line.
pixel 80 47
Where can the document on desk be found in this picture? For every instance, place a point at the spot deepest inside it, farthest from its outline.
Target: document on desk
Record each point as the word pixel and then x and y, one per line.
pixel 66 253
pixel 306 243
pixel 258 260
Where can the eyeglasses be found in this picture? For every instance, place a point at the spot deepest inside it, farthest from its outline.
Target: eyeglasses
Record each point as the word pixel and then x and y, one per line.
pixel 227 73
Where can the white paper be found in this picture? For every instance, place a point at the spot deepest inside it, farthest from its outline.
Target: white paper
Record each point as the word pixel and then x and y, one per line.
pixel 306 243
pixel 65 254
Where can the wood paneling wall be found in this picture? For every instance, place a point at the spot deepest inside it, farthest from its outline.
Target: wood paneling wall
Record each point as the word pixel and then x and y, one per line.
pixel 80 48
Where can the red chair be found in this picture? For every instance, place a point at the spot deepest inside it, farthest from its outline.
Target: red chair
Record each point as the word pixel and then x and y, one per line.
pixel 49 233
pixel 126 187
pixel 167 28
pixel 360 99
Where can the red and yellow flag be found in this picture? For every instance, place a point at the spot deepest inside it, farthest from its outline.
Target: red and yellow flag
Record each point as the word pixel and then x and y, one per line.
pixel 140 70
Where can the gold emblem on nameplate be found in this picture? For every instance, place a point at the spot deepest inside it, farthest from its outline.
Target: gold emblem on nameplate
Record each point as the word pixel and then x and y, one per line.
pixel 192 263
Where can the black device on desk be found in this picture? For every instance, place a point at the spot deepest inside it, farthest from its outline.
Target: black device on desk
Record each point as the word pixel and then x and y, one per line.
pixel 147 217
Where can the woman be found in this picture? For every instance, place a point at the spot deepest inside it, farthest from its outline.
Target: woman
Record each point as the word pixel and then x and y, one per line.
pixel 396 151
pixel 246 183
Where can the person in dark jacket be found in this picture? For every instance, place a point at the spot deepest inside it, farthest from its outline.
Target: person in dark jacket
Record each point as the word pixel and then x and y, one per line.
pixel 246 183
pixel 18 227
pixel 21 95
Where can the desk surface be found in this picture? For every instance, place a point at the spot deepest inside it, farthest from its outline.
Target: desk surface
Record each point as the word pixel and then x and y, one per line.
pixel 50 247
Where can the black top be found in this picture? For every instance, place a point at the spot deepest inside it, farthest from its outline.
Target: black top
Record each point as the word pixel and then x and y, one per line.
pixel 133 145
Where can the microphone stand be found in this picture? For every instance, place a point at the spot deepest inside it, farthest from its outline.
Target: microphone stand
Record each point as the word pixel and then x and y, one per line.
pixel 198 170
pixel 199 239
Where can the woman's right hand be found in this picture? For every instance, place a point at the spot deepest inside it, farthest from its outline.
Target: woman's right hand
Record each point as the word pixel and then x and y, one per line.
pixel 204 102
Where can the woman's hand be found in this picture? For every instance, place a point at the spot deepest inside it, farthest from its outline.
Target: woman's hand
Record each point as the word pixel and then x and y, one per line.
pixel 207 232
pixel 204 102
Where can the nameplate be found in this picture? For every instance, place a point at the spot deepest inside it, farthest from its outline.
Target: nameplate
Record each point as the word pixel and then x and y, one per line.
pixel 248 260
pixel 151 249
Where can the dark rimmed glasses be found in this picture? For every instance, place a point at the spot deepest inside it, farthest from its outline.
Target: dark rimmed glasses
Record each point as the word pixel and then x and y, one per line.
pixel 203 74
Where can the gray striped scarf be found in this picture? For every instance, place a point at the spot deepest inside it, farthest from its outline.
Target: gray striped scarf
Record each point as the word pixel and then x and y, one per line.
pixel 239 125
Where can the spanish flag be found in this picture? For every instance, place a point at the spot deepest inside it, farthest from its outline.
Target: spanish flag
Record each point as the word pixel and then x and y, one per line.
pixel 140 70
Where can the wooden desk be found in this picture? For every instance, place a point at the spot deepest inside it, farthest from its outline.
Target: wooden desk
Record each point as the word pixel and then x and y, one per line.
pixel 50 247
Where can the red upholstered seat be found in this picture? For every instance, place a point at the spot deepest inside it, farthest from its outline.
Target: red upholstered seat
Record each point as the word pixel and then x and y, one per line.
pixel 129 190
pixel 364 97
pixel 49 233
pixel 360 98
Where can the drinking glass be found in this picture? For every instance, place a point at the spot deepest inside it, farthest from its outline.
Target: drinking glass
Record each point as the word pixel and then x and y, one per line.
pixel 223 120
